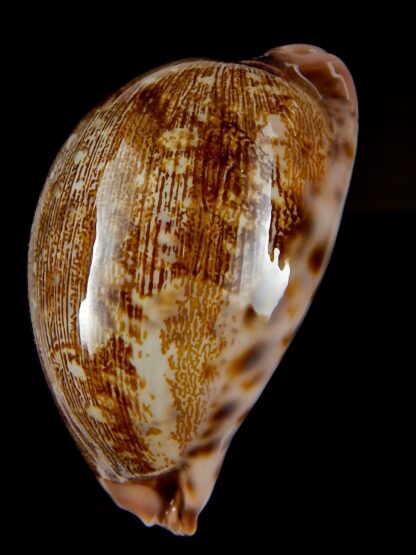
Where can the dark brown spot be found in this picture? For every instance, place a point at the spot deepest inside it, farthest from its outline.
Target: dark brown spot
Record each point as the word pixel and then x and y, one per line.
pixel 286 339
pixel 348 149
pixel 249 315
pixel 208 372
pixel 316 258
pixel 224 412
pixel 339 148
pixel 249 384
pixel 208 432
pixel 204 450
pixel 248 360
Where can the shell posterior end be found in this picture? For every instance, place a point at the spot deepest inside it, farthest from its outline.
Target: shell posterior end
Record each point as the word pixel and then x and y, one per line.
pixel 326 72
pixel 156 501
pixel 332 82
pixel 174 498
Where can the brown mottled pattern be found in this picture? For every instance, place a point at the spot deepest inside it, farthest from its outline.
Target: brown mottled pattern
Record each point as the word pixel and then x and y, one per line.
pixel 248 359
pixel 316 258
pixel 152 208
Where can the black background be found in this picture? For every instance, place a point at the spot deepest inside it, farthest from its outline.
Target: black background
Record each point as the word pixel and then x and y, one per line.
pixel 320 460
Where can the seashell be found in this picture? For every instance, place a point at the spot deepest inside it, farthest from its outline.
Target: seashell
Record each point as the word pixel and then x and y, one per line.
pixel 178 241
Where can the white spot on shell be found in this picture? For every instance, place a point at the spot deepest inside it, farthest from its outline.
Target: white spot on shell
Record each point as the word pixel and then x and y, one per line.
pixel 164 216
pixel 140 179
pixel 207 80
pixel 165 238
pixel 80 155
pixel 179 138
pixel 183 163
pixel 276 127
pixel 76 370
pixel 96 413
pixel 77 186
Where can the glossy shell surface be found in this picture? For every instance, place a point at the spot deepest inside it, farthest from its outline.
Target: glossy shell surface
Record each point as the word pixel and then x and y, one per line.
pixel 178 241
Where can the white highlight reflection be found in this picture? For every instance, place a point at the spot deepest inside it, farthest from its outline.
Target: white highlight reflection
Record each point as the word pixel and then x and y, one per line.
pixel 263 278
pixel 113 207
pixel 271 285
